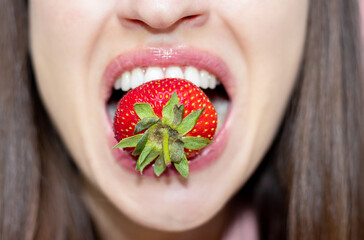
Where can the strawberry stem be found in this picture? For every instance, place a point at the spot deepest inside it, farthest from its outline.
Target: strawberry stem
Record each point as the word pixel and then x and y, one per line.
pixel 165 144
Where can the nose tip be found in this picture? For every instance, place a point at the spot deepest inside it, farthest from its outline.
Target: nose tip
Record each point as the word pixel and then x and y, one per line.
pixel 159 14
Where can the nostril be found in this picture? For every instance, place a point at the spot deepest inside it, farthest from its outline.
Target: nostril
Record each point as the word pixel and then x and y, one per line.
pixel 134 22
pixel 194 20
pixel 191 20
pixel 192 17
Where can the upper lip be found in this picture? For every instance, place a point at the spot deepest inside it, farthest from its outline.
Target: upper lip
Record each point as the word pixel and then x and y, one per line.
pixel 164 57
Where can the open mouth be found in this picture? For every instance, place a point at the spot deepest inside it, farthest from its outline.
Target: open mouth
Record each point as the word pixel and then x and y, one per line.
pixel 129 71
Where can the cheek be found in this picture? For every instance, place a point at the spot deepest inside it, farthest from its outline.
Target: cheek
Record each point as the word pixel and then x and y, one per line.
pixel 64 31
pixel 274 52
pixel 271 37
pixel 62 34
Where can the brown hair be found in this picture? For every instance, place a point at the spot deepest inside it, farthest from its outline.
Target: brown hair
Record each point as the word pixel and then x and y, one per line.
pixel 39 196
pixel 316 158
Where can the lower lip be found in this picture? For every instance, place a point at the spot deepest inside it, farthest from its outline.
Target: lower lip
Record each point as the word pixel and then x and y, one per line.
pixel 207 156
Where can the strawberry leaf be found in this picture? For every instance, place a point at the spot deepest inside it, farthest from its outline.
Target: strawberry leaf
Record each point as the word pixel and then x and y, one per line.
pixel 189 122
pixel 145 123
pixel 182 167
pixel 141 144
pixel 144 110
pixel 129 142
pixel 148 148
pixel 178 112
pixel 151 156
pixel 176 151
pixel 159 166
pixel 195 143
pixel 167 111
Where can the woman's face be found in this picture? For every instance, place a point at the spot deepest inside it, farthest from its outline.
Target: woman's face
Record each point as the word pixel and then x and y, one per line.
pixel 259 42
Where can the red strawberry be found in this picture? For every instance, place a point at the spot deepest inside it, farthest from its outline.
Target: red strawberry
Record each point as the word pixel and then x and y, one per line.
pixel 171 119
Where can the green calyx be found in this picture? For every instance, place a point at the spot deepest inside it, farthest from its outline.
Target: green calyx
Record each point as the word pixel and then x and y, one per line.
pixel 164 138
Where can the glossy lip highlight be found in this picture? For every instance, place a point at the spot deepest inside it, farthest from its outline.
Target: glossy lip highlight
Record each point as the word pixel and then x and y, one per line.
pixel 164 57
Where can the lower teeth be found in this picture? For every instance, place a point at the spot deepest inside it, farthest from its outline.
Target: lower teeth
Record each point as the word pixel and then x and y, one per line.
pixel 221 106
pixel 111 108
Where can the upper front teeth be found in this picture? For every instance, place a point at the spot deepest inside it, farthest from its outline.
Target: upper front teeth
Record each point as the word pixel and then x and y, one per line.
pixel 136 77
pixel 153 73
pixel 174 72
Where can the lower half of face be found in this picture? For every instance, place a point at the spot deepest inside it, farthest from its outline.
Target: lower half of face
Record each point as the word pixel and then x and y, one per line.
pixel 252 49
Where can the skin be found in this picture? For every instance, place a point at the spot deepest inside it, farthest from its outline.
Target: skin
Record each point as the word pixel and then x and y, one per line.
pixel 72 42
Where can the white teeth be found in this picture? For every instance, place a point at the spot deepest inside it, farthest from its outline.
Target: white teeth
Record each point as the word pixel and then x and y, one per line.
pixel 138 76
pixel 192 75
pixel 204 82
pixel 153 73
pixel 125 81
pixel 174 72
pixel 212 81
pixel 117 84
pixel 221 105
pixel 111 108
